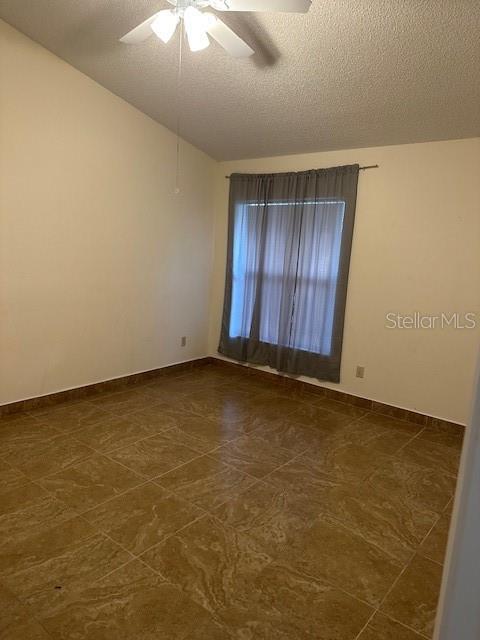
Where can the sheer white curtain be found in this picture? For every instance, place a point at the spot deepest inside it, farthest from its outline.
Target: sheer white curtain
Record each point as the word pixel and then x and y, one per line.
pixel 303 262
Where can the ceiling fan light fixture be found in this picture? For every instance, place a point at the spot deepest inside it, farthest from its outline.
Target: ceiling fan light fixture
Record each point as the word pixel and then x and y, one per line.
pixel 165 24
pixel 199 26
pixel 209 20
pixel 196 29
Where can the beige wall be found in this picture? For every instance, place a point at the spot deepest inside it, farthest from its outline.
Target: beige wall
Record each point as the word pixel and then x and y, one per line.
pixel 416 248
pixel 102 267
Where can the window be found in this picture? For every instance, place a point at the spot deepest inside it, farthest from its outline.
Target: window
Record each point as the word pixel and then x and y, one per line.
pixel 311 274
pixel 289 243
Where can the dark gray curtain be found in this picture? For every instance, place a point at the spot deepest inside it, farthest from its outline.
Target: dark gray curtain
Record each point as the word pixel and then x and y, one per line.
pixel 289 242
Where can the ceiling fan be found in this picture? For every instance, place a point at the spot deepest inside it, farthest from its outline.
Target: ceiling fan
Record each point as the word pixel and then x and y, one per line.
pixel 201 24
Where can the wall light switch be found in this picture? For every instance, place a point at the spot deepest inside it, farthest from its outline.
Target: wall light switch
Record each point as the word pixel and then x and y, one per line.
pixel 360 372
pixel 183 341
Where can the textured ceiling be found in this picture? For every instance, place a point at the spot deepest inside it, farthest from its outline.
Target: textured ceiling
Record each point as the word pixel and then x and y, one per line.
pixel 350 73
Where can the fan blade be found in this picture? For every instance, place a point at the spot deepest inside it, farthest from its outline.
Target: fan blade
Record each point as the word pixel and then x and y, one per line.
pixel 227 38
pixel 140 33
pixel 283 6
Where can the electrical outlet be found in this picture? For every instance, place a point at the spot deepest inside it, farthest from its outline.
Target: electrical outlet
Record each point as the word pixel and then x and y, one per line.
pixel 360 372
pixel 183 341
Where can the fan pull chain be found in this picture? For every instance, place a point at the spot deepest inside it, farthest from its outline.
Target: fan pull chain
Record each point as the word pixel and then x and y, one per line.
pixel 179 78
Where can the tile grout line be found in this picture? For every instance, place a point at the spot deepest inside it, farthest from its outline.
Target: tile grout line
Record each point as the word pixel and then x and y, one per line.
pixel 190 414
pixel 447 473
pixel 154 480
pixel 356 532
pixel 397 579
pixel 98 530
pixel 337 520
pixel 418 464
pixel 104 454
pixel 146 480
pixel 130 444
pixel 134 442
pixel 450 502
pixel 370 618
pixel 95 452
pixel 420 634
pixel 80 513
pixel 333 585
pixel 411 440
pixel 71 436
pixel 232 468
pixel 273 559
pixel 171 535
pixel 157 481
pixel 135 556
pixel 281 466
pixel 439 517
pixel 395 582
pixel 377 608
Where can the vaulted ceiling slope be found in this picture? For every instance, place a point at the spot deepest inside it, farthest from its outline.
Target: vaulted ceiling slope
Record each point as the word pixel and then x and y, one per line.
pixel 350 73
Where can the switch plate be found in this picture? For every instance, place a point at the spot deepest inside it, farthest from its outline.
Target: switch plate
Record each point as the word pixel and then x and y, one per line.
pixel 360 372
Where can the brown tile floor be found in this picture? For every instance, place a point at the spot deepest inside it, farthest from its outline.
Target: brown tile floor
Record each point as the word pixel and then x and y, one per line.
pixel 213 505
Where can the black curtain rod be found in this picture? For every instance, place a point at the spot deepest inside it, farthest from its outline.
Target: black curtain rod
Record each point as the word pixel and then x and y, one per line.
pixel 370 166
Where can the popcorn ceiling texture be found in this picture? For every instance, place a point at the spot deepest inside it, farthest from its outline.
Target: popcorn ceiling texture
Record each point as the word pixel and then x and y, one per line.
pixel 349 74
